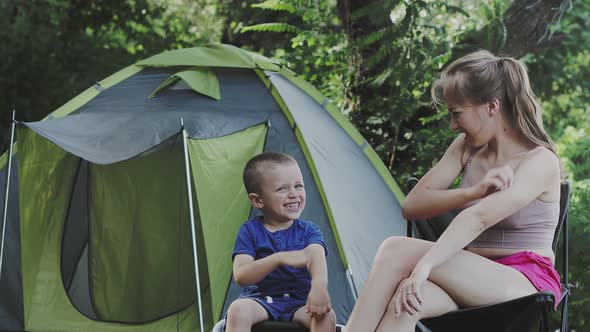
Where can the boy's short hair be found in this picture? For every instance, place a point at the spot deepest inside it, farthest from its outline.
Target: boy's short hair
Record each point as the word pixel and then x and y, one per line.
pixel 254 167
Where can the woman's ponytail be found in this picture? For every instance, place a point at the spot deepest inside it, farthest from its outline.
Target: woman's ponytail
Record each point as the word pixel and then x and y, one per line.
pixel 521 105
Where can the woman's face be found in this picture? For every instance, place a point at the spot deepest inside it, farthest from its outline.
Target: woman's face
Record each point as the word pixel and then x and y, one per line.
pixel 473 121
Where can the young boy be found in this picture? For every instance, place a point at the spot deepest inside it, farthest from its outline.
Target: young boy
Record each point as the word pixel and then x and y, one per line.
pixel 279 259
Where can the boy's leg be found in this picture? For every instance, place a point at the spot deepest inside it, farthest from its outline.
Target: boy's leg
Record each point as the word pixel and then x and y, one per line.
pixel 325 324
pixel 243 313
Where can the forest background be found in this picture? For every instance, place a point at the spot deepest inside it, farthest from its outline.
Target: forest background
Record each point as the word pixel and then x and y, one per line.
pixel 375 59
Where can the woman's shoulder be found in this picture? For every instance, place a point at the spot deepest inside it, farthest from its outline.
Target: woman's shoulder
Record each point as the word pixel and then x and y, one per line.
pixel 541 157
pixel 542 165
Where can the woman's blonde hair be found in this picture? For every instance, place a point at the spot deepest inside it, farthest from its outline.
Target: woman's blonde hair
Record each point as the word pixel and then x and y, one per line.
pixel 479 77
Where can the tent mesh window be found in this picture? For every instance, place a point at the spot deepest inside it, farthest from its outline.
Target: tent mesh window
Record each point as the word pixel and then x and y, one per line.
pixel 117 262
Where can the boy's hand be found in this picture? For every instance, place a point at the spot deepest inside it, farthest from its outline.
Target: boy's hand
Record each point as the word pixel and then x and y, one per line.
pixel 318 301
pixel 294 258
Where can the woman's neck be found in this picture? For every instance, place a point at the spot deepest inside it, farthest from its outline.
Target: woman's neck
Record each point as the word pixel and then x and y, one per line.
pixel 506 145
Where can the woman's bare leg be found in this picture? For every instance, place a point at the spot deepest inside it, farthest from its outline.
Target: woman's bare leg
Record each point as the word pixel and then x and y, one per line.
pixel 467 278
pixel 438 303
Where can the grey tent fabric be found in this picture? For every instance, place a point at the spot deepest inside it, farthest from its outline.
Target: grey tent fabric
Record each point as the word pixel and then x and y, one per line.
pixel 79 287
pixel 11 289
pixel 241 90
pixel 75 233
pixel 74 253
pixel 355 196
pixel 104 139
pixel 97 135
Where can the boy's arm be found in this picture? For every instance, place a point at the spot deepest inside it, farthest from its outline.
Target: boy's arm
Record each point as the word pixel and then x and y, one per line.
pixel 318 300
pixel 248 271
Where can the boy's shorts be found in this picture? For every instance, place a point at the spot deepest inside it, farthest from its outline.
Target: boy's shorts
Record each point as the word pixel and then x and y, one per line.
pixel 279 308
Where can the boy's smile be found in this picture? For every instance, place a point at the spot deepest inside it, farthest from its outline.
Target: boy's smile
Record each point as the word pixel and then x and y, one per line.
pixel 282 194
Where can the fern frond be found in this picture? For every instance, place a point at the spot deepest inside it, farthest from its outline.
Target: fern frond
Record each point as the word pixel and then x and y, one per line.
pixel 380 79
pixel 271 27
pixel 371 38
pixel 383 52
pixel 277 5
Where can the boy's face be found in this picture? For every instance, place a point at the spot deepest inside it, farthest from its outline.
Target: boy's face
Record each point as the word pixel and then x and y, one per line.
pixel 282 194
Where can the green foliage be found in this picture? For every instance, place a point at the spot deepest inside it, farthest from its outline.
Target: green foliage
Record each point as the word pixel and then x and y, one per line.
pixel 400 57
pixel 317 45
pixel 271 27
pixel 559 77
pixel 277 5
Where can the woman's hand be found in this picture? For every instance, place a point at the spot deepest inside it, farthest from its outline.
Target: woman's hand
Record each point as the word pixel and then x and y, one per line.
pixel 496 179
pixel 407 296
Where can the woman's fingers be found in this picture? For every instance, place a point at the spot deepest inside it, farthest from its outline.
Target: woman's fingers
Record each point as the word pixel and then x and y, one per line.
pixel 412 305
pixel 397 302
pixel 407 298
pixel 418 297
pixel 497 179
pixel 409 302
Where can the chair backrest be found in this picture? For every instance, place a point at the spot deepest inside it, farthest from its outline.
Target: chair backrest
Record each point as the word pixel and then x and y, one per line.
pixel 564 205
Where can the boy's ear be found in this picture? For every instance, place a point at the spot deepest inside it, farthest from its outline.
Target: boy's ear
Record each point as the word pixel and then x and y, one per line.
pixel 256 200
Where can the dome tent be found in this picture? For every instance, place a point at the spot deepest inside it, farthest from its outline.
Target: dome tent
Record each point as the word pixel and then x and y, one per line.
pixel 98 231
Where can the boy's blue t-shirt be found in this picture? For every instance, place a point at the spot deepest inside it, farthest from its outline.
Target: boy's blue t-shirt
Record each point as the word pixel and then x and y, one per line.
pixel 255 240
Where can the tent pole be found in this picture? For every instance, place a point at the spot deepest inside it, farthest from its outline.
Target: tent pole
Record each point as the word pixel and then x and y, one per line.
pixel 192 217
pixel 351 283
pixel 5 213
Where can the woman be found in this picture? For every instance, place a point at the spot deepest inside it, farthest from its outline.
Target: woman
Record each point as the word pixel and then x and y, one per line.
pixel 499 247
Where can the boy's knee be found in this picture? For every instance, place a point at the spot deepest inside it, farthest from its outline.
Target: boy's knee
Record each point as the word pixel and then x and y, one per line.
pixel 331 316
pixel 240 312
pixel 329 319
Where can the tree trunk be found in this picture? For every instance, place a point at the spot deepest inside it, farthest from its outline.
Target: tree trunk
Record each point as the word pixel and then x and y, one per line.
pixel 528 24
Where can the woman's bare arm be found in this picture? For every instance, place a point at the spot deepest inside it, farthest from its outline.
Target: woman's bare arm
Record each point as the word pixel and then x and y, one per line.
pixel 431 195
pixel 535 176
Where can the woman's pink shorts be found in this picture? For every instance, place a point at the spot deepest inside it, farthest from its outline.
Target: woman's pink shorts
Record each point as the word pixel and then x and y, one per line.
pixel 537 269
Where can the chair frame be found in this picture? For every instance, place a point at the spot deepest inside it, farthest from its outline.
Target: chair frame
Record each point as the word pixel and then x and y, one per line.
pixel 271 326
pixel 544 300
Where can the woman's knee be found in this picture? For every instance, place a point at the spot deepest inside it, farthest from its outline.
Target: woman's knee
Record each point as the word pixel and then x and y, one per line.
pixel 398 247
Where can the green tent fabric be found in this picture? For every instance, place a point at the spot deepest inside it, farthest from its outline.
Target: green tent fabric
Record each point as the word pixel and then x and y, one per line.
pixel 100 197
pixel 47 307
pixel 132 228
pixel 223 202
pixel 199 79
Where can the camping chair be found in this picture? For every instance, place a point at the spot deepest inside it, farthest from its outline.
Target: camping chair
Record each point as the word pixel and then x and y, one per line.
pixel 521 314
pixel 269 326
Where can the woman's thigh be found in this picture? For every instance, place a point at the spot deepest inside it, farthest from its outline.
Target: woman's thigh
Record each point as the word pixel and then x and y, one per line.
pixel 471 279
